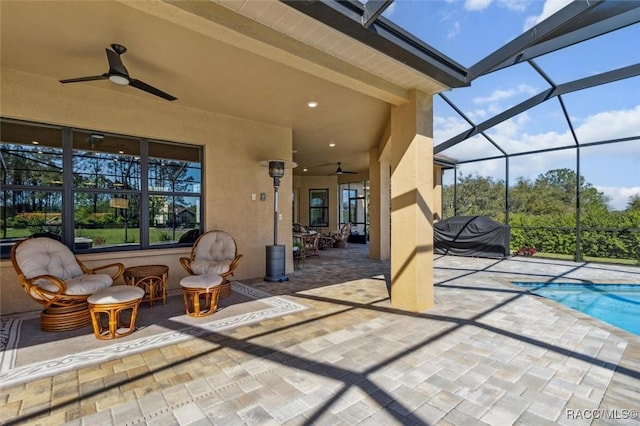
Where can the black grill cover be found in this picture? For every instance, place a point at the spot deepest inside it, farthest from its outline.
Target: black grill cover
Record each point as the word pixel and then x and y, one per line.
pixel 476 236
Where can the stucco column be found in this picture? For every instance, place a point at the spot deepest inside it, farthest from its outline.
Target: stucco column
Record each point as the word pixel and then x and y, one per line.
pixel 379 201
pixel 385 202
pixel 412 204
pixel 374 204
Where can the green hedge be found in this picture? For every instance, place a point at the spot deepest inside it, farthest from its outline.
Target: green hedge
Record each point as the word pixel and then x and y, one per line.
pixel 616 238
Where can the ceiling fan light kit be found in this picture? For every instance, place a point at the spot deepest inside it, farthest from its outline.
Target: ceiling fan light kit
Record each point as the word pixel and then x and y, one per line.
pixel 118 79
pixel 119 75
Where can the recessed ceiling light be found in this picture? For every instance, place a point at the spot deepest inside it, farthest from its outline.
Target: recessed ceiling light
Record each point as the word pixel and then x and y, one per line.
pixel 304 170
pixel 312 104
pixel 120 152
pixel 35 142
pixel 332 144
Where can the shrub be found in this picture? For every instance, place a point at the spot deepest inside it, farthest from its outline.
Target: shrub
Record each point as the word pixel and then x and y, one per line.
pixel 525 251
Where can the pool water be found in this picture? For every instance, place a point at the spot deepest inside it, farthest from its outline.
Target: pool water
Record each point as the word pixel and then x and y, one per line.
pixel 616 304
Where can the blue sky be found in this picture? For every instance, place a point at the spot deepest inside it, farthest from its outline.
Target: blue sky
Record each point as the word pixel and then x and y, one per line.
pixel 467 31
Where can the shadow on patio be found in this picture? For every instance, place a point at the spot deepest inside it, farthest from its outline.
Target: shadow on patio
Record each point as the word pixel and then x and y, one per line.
pixel 486 352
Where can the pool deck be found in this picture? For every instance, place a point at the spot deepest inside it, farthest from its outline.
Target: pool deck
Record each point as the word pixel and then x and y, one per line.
pixel 488 352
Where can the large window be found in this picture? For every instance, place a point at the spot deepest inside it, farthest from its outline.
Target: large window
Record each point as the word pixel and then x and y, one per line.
pixel 354 209
pixel 319 207
pixel 113 192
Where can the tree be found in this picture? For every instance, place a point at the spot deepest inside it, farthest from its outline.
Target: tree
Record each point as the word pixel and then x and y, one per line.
pixel 634 203
pixel 477 196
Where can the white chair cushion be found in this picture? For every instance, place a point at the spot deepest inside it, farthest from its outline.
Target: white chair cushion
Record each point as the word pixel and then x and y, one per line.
pixel 81 285
pixel 200 266
pixel 217 246
pixel 205 281
pixel 46 256
pixel 116 294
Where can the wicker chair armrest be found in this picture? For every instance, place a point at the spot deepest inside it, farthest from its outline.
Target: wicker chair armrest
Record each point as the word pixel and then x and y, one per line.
pixel 232 267
pixel 33 286
pixel 118 273
pixel 234 263
pixel 186 264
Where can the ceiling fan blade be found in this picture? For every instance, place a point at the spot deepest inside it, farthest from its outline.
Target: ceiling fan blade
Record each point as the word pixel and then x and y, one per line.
pixel 118 74
pixel 115 64
pixel 339 171
pixel 150 89
pixel 80 79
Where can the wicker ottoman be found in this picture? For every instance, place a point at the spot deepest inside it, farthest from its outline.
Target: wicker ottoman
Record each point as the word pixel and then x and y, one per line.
pixel 201 293
pixel 109 311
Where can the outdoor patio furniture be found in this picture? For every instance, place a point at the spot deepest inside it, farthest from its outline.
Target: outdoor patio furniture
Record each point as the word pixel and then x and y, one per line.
pixel 201 293
pixel 151 278
pixel 340 238
pixel 325 241
pixel 53 276
pixel 311 244
pixel 307 238
pixel 214 252
pixel 472 236
pixel 111 307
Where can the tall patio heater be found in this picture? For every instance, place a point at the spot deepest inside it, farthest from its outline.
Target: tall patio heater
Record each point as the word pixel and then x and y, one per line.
pixel 276 253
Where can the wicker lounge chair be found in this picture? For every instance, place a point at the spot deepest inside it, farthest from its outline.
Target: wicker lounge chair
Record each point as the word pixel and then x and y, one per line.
pixel 213 252
pixel 53 276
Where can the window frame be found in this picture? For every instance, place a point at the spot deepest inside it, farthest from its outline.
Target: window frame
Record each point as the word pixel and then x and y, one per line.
pixel 324 209
pixel 69 190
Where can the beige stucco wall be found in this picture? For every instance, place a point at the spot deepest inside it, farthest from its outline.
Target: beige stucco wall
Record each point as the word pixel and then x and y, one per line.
pixel 232 148
pixel 303 184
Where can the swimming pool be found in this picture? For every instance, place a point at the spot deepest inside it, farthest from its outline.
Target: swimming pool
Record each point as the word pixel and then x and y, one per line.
pixel 616 304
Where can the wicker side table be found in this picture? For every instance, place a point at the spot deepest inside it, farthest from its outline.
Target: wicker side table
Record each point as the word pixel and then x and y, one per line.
pixel 151 278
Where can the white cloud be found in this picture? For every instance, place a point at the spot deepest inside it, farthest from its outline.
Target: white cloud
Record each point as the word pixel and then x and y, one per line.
pixel 515 5
pixel 512 137
pixel 454 30
pixel 597 127
pixel 550 7
pixel 502 94
pixel 610 125
pixel 447 127
pixel 478 115
pixel 510 129
pixel 618 196
pixel 477 4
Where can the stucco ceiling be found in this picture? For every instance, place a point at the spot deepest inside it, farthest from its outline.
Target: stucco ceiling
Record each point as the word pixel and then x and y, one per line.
pixel 220 57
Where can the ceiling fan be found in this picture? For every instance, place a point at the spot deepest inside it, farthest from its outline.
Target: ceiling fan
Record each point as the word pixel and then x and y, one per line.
pixel 118 74
pixel 339 171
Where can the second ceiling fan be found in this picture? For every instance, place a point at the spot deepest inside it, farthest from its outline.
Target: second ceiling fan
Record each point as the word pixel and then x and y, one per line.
pixel 339 171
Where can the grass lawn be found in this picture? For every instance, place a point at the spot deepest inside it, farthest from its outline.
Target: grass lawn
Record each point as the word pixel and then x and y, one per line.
pixel 113 236
pixel 588 258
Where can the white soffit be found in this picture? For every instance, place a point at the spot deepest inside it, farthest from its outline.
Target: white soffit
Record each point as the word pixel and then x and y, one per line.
pixel 280 17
